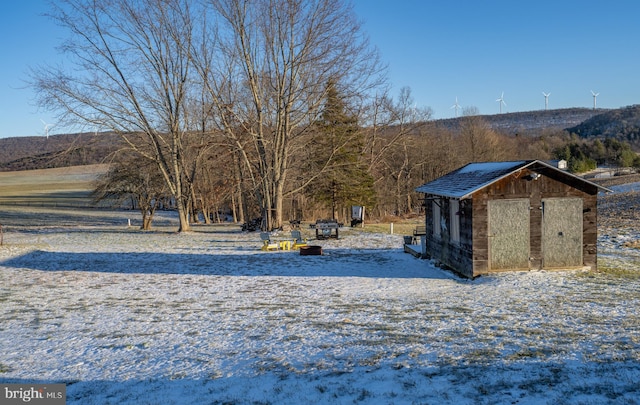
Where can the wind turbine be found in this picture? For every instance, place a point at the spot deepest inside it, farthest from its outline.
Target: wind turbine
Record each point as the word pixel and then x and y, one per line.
pixel 501 101
pixel 546 100
pixel 456 106
pixel 594 99
pixel 46 128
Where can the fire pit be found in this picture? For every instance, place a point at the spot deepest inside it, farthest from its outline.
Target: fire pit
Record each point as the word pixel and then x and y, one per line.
pixel 311 250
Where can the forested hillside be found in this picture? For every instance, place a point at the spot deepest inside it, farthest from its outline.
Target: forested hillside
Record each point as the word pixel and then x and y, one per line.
pixel 622 124
pixel 530 122
pixel 38 152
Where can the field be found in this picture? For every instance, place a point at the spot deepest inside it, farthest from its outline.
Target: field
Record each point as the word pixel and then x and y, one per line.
pixel 67 186
pixel 129 317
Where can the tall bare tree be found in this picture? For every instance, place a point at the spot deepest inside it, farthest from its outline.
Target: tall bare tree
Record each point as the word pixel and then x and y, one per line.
pixel 129 71
pixel 269 80
pixel 395 129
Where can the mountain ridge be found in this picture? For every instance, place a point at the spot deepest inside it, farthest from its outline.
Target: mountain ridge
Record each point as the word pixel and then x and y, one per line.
pixel 526 121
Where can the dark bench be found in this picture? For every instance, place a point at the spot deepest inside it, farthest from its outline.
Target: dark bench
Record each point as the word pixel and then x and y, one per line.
pixel 419 231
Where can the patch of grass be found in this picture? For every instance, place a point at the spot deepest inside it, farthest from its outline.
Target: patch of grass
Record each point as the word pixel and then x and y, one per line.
pixel 525 353
pixel 4 296
pixel 627 272
pixel 402 228
pixel 363 395
pixel 181 375
pixel 462 310
pixel 5 368
pixel 484 354
pixel 374 359
pixel 634 244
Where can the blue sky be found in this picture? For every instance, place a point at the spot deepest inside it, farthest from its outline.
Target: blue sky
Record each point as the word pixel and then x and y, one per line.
pixel 27 40
pixel 475 50
pixel 472 50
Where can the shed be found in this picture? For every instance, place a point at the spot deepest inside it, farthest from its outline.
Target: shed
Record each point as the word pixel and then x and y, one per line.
pixel 502 216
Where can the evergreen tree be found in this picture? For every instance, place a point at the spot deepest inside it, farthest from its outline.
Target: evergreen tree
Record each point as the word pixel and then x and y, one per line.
pixel 338 153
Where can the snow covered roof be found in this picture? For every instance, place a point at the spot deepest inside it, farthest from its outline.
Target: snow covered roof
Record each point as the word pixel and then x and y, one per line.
pixel 463 182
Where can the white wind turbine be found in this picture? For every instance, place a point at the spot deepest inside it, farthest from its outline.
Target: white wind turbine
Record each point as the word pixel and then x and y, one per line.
pixel 456 106
pixel 594 99
pixel 46 128
pixel 501 101
pixel 546 99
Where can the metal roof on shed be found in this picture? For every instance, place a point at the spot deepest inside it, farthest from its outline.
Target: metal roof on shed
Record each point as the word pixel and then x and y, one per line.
pixel 463 182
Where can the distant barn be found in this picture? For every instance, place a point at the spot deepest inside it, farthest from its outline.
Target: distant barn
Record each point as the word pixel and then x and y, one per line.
pixel 499 216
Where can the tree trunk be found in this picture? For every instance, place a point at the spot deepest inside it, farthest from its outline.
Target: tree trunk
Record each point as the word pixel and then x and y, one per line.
pixel 279 204
pixel 183 217
pixel 146 222
pixel 206 213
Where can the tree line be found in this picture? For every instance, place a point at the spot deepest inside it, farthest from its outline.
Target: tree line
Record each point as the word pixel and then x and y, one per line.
pixel 378 166
pixel 583 155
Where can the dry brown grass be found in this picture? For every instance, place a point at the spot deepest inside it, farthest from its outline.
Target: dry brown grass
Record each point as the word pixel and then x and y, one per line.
pixel 399 228
pixel 635 244
pixel 59 186
pixel 619 210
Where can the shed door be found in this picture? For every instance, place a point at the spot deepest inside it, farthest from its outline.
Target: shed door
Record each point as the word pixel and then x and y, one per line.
pixel 508 234
pixel 561 232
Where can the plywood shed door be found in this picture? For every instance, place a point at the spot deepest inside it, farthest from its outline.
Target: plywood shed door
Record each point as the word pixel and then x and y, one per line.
pixel 508 234
pixel 561 232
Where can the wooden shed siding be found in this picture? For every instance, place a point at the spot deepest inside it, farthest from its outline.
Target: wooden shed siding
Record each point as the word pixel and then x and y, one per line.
pixel 457 256
pixel 535 223
pixel 480 233
pixel 466 226
pixel 590 231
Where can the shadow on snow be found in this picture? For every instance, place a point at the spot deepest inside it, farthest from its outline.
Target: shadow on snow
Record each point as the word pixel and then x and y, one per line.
pixel 334 263
pixel 531 381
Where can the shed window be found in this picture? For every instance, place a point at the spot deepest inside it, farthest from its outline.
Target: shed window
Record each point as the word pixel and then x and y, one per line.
pixel 454 216
pixel 435 209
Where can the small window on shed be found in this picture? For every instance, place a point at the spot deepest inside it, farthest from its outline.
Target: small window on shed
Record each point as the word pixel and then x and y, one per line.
pixel 435 209
pixel 454 215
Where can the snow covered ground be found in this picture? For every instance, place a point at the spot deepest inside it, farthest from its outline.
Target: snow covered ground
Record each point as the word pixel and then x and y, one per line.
pixel 129 317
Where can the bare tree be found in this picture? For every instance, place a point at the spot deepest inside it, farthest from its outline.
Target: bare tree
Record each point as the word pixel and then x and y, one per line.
pixel 480 143
pixel 394 136
pixel 137 181
pixel 390 122
pixel 130 72
pixel 274 58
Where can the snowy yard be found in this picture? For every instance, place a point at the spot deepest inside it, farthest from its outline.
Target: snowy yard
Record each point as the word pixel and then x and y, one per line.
pixel 126 317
